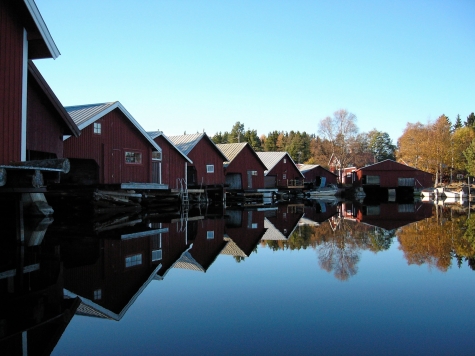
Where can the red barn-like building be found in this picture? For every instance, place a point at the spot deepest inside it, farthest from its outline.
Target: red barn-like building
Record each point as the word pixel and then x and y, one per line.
pixel 391 174
pixel 281 170
pixel 31 119
pixel 115 142
pixel 315 174
pixel 207 168
pixel 174 162
pixel 244 170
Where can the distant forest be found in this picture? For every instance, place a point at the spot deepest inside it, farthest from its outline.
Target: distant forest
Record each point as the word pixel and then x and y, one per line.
pixel 436 147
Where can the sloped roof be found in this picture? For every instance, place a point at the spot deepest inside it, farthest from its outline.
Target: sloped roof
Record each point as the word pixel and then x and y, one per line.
pixel 272 233
pixel 232 150
pixel 44 46
pixel 187 261
pixel 72 128
pixel 232 249
pixel 389 165
pixel 155 134
pixel 186 143
pixel 270 159
pixel 85 115
pixel 304 168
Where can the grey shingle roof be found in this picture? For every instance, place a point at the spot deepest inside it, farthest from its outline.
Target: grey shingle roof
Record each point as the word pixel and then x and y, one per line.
pixel 85 115
pixel 270 159
pixel 155 134
pixel 186 143
pixel 231 150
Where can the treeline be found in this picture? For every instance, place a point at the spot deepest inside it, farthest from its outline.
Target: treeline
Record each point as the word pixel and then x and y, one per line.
pixel 439 147
pixel 342 148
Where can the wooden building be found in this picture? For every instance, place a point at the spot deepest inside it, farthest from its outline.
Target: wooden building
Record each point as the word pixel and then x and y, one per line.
pixel 281 171
pixel 315 174
pixel 244 169
pixel 388 216
pixel 282 222
pixel 206 174
pixel 23 36
pixel 174 162
pixel 391 174
pixel 113 148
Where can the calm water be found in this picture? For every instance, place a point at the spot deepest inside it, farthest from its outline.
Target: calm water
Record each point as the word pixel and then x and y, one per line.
pixel 293 279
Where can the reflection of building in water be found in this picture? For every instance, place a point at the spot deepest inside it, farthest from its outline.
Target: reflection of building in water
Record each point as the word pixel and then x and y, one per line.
pixel 281 222
pixel 207 237
pixel 109 284
pixel 244 230
pixel 318 211
pixel 388 216
pixel 33 310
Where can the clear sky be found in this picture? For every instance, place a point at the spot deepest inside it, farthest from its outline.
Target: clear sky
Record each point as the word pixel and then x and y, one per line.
pixel 279 65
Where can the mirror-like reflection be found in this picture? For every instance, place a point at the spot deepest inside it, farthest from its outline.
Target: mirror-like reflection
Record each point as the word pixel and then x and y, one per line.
pixel 98 268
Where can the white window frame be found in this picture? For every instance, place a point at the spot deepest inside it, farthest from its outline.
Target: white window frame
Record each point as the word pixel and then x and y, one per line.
pixel 97 128
pixel 156 255
pixel 133 260
pixel 157 154
pixel 98 294
pixel 210 168
pixel 210 235
pixel 131 157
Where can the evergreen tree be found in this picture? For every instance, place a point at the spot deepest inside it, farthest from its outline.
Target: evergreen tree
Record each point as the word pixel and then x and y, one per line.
pixel 458 123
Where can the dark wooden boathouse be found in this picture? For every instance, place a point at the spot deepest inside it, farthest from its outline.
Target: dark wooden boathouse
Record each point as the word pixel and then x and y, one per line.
pixel 314 175
pixel 244 170
pixel 281 171
pixel 174 162
pixel 113 148
pixel 206 173
pixel 391 174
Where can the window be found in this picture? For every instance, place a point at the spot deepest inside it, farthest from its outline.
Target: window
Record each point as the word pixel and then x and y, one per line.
pixel 98 294
pixel 254 173
pixel 156 156
pixel 254 226
pixel 405 182
pixel 133 157
pixel 97 128
pixel 156 255
pixel 284 176
pixel 210 168
pixel 285 160
pixel 210 235
pixel 134 260
pixel 405 208
pixel 372 210
pixel 372 180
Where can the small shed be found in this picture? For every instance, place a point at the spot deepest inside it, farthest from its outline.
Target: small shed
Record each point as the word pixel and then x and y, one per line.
pixel 207 159
pixel 244 170
pixel 120 149
pixel 315 175
pixel 174 162
pixel 281 171
pixel 391 174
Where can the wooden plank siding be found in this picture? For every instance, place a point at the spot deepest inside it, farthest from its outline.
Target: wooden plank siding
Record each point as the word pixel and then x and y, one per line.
pixel 204 154
pixel 11 73
pixel 173 163
pixel 45 131
pixel 118 135
pixel 389 172
pixel 314 175
pixel 285 168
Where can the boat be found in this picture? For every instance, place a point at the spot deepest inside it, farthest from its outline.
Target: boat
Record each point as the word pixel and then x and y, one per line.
pixel 328 190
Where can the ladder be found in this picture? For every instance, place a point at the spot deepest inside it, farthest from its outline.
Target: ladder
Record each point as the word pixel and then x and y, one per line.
pixel 185 202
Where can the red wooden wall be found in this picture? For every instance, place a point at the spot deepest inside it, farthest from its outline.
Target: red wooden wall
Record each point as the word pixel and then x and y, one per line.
pixel 108 149
pixel 288 168
pixel 319 171
pixel 173 163
pixel 245 161
pixel 44 130
pixel 11 73
pixel 205 153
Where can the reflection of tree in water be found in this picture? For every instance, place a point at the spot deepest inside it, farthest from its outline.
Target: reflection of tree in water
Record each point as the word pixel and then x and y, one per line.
pixel 341 258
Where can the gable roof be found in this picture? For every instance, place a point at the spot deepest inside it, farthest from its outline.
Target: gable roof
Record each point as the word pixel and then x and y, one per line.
pixel 186 143
pixel 71 127
pixel 270 159
pixel 155 134
pixel 389 165
pixel 232 150
pixel 40 42
pixel 304 168
pixel 85 115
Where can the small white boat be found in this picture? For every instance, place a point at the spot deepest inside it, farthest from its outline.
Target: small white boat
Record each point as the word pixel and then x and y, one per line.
pixel 329 190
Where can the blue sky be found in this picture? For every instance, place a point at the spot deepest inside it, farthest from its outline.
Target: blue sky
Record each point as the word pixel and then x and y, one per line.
pixel 273 65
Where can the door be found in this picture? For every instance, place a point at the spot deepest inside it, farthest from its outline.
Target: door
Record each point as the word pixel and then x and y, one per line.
pixel 249 179
pixel 115 168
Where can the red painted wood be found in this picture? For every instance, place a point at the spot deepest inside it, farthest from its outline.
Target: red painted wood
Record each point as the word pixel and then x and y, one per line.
pixel 289 169
pixel 203 154
pixel 11 68
pixel 108 149
pixel 245 161
pixel 173 163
